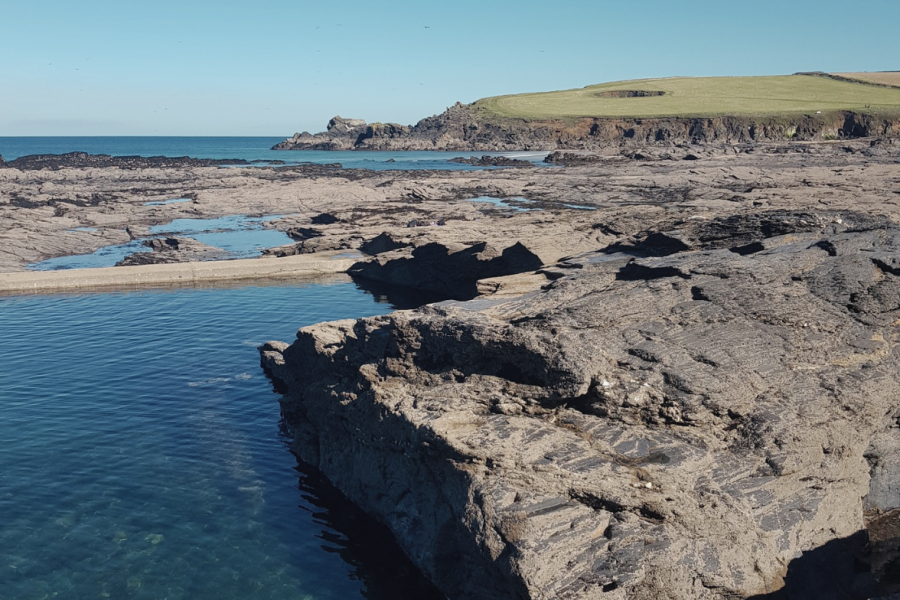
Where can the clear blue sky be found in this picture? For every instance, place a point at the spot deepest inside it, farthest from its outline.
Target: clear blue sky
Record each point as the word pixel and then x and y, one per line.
pixel 198 67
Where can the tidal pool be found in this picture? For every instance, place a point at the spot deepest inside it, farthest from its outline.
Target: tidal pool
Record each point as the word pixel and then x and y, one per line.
pixel 144 457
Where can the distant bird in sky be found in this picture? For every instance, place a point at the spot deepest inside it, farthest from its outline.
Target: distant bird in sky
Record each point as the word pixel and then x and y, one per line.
pixel 427 27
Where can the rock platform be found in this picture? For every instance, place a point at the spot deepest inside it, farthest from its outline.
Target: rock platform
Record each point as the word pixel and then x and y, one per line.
pixel 695 422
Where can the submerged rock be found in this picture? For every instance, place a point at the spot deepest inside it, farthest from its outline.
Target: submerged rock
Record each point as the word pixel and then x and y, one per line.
pixel 700 424
pixel 172 250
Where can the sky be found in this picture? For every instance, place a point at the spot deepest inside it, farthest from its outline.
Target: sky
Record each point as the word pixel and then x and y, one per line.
pixel 198 67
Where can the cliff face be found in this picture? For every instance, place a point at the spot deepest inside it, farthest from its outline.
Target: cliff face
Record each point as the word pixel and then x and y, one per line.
pixel 467 128
pixel 706 412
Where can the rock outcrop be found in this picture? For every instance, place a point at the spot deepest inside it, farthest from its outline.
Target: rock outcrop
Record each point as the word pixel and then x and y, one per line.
pixel 79 160
pixel 172 250
pixel 493 161
pixel 471 128
pixel 707 411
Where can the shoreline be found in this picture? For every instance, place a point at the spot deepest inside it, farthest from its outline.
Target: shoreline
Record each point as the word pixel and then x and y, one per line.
pixel 626 373
pixel 188 273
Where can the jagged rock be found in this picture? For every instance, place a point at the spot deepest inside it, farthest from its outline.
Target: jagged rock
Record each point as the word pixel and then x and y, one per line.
pixel 339 125
pixel 705 424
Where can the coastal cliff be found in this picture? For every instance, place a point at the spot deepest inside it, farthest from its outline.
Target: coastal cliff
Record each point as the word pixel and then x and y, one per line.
pixel 466 127
pixel 704 410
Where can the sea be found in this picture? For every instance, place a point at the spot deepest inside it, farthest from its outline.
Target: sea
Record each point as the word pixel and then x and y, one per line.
pixel 247 148
pixel 142 450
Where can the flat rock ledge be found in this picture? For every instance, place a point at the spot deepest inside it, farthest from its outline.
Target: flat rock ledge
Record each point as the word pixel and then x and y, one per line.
pixel 713 421
pixel 307 266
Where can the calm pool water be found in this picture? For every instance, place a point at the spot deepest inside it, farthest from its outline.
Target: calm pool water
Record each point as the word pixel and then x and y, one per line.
pixel 238 235
pixel 142 456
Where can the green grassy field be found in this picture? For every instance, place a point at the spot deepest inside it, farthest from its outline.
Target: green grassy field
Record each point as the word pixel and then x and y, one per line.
pixel 700 96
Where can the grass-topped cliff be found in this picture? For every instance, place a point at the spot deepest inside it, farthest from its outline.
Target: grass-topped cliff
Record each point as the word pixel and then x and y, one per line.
pixel 700 97
pixel 677 110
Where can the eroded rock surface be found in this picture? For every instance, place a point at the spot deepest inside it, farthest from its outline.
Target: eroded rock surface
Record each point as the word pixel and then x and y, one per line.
pixel 707 422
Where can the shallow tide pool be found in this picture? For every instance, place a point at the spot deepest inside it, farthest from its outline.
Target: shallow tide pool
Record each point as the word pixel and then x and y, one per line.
pixel 143 456
pixel 238 235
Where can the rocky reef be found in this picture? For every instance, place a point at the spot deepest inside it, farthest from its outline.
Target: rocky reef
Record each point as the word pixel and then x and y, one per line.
pixel 80 160
pixel 467 127
pixel 703 409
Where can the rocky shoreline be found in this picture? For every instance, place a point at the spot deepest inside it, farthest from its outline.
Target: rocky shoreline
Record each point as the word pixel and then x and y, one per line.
pixel 684 417
pixel 466 127
pixel 658 376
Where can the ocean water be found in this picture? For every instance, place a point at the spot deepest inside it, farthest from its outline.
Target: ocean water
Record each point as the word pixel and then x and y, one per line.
pixel 247 148
pixel 143 456
pixel 239 236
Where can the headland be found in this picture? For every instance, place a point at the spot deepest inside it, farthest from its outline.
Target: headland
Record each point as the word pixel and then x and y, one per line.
pixel 638 113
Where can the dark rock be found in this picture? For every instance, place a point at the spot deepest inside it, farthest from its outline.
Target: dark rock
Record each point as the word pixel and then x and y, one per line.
pixel 743 233
pixel 162 244
pixel 171 250
pixel 383 242
pixel 324 219
pixel 79 160
pixel 302 233
pixel 492 161
pixel 572 158
pixel 450 271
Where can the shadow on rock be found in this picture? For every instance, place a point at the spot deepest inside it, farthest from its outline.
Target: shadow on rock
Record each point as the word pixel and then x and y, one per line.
pixel 838 570
pixel 362 542
pixel 398 296
pixel 452 272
